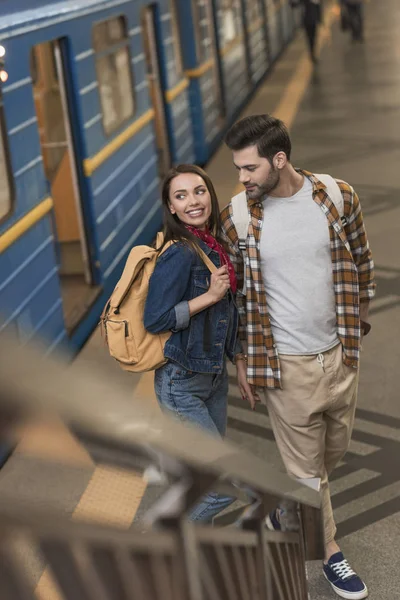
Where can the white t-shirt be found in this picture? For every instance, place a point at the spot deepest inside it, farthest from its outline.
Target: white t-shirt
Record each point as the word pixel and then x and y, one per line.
pixel 297 273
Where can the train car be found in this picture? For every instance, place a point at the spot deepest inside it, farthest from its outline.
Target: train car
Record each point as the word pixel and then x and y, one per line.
pixel 98 99
pixel 228 47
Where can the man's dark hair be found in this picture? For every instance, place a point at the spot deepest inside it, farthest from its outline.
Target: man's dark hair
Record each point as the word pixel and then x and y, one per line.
pixel 270 135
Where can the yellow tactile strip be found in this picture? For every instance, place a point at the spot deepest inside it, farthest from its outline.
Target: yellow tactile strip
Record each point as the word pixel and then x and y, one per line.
pixel 112 498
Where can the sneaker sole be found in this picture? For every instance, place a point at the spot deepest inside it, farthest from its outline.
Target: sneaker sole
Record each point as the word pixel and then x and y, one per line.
pixel 347 595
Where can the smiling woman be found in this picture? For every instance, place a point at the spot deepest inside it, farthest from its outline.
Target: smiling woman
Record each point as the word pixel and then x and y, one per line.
pixel 191 295
pixel 190 200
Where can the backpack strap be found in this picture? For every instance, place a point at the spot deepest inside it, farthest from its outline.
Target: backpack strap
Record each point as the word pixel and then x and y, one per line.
pixel 136 260
pixel 159 245
pixel 335 194
pixel 241 217
pixel 134 264
pixel 207 261
pixel 241 220
pixel 333 190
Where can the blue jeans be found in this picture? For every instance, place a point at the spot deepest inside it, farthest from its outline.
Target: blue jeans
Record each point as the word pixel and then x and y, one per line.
pixel 201 399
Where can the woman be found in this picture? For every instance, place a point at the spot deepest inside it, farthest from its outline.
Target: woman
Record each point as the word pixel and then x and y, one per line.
pixel 198 308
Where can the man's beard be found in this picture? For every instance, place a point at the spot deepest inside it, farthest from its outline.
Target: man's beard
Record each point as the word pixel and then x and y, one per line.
pixel 266 188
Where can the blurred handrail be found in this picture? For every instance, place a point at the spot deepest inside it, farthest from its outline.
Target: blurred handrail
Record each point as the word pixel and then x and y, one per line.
pixel 99 407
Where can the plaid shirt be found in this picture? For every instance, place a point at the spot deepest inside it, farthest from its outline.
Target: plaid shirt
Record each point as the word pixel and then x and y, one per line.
pixel 353 279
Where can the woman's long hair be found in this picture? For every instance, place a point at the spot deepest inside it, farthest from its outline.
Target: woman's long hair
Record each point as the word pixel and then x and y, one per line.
pixel 174 229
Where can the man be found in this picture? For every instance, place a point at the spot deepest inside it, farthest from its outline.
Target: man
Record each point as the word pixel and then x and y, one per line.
pixel 309 279
pixel 355 15
pixel 311 19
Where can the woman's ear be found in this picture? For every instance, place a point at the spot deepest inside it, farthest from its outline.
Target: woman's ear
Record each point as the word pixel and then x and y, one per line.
pixel 171 208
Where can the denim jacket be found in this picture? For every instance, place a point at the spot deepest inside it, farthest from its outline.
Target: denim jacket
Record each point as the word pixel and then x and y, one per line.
pixel 198 343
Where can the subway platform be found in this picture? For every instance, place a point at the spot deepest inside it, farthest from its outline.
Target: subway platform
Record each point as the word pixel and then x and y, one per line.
pixel 344 117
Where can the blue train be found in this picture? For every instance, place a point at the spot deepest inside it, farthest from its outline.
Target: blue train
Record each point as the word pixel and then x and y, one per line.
pixel 98 99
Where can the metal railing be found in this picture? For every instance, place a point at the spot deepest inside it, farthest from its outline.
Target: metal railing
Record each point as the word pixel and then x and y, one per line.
pixel 174 559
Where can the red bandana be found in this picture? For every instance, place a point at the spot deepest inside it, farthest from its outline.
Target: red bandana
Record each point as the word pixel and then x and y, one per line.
pixel 212 243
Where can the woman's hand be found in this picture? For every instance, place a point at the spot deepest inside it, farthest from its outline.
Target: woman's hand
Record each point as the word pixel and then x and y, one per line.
pixel 219 285
pixel 248 391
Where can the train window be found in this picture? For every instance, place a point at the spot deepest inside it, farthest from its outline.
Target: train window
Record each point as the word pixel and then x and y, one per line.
pixel 51 68
pixel 255 18
pixel 254 11
pixel 6 187
pixel 203 30
pixel 230 20
pixel 114 74
pixel 176 38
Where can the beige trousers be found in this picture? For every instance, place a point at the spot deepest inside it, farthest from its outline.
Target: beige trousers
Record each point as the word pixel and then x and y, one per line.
pixel 312 418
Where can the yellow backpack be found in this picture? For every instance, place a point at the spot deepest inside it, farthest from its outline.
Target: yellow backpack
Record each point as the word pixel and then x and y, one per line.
pixel 121 322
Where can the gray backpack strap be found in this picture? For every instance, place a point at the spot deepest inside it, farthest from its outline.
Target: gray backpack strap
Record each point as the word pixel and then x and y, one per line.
pixel 241 220
pixel 334 191
pixel 240 215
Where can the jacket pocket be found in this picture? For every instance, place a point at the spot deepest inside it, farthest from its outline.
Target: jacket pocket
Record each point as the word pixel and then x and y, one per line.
pixel 202 284
pixel 121 343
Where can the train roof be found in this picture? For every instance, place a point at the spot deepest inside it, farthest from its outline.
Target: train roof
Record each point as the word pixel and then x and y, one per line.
pixel 18 13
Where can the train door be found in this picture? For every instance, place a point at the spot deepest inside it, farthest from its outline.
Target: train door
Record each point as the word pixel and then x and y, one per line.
pixel 48 71
pixel 155 87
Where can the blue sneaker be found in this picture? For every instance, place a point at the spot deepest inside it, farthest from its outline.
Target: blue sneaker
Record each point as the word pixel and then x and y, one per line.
pixel 272 522
pixel 344 581
pixel 283 519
